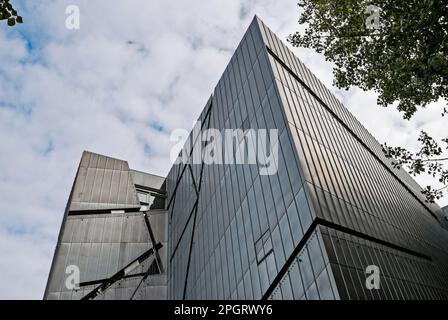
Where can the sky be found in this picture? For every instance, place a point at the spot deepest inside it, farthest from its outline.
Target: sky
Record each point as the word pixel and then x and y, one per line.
pixel 118 86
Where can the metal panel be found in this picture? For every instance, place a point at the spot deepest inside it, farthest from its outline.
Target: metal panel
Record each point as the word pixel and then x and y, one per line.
pixel 91 272
pixel 83 260
pixel 57 281
pixel 97 186
pixel 103 271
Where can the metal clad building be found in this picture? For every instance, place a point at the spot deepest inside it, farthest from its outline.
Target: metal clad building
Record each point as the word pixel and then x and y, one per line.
pixel 104 231
pixel 334 210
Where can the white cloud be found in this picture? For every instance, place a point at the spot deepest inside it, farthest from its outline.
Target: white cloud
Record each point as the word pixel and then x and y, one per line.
pixel 133 66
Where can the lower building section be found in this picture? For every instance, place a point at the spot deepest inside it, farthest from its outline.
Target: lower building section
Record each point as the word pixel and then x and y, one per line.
pixel 308 274
pixel 401 275
pixel 333 264
pixel 114 241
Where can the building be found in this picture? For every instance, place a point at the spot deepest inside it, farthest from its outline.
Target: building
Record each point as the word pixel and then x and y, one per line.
pixel 445 212
pixel 114 219
pixel 335 220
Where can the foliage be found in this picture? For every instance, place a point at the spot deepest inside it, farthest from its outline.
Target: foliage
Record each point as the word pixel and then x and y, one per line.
pixel 8 13
pixel 428 159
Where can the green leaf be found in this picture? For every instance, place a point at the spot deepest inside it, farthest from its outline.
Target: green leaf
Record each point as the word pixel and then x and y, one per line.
pixel 19 19
pixel 11 22
pixel 405 61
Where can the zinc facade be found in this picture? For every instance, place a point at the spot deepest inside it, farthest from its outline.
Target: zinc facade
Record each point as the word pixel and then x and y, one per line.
pixel 115 216
pixel 334 206
pixel 310 231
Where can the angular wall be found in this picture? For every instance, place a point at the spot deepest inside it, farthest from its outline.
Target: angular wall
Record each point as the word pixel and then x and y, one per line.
pixel 368 212
pixel 335 206
pixel 231 238
pixel 104 231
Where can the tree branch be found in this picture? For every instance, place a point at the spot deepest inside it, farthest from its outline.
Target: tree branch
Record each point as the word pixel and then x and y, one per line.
pixel 428 160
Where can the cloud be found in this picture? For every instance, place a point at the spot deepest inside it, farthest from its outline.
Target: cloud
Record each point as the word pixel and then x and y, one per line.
pixel 118 86
pixel 24 264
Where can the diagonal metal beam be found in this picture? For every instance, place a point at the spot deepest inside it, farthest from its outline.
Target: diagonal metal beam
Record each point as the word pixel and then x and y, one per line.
pixel 154 244
pixel 145 275
pixel 122 273
pixel 92 282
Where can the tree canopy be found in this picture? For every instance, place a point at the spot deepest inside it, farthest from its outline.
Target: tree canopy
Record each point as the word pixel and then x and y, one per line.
pixel 8 13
